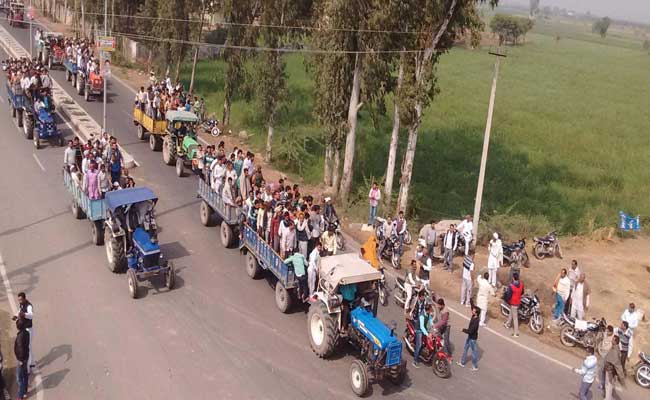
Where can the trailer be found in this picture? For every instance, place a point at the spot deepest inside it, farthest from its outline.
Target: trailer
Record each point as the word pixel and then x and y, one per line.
pixel 148 126
pixel 212 204
pixel 85 208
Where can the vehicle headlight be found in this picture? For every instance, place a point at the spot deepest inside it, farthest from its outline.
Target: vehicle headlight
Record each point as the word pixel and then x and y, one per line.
pixel 334 301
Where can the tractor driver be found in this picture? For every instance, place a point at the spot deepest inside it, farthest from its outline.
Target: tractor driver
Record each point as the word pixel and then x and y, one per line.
pixel 349 294
pixel 182 131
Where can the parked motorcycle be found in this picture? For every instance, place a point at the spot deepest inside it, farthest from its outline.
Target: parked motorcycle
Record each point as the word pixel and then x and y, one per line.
pixel 384 293
pixel 642 371
pixel 548 245
pixel 529 311
pixel 432 350
pixel 379 231
pixel 212 125
pixel 584 333
pixel 460 247
pixel 516 251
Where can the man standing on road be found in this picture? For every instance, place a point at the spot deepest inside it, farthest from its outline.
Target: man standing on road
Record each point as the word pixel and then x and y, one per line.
pixel 314 267
pixel 513 297
pixel 26 313
pixel 21 350
pixel 580 298
pixel 632 316
pixel 485 291
pixel 588 373
pixel 470 342
pixel 442 325
pixel 449 243
pixel 624 338
pixel 373 197
pixel 466 286
pixel 428 234
pixel 495 258
pixel 465 228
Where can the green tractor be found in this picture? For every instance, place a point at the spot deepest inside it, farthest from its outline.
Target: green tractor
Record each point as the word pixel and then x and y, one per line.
pixel 180 143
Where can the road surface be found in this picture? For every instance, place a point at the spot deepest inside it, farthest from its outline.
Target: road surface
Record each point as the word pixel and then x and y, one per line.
pixel 218 335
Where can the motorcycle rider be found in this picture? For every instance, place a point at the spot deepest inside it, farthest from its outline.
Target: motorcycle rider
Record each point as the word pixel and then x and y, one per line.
pixel 411 282
pixel 422 324
pixel 329 212
pixel 400 229
pixel 513 296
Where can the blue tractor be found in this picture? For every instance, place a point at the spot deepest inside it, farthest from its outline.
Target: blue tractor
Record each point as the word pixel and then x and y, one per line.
pixel 353 317
pixel 130 237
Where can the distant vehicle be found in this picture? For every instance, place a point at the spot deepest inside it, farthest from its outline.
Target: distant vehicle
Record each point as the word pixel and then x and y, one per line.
pixel 548 245
pixel 17 14
pixel 37 125
pixel 50 49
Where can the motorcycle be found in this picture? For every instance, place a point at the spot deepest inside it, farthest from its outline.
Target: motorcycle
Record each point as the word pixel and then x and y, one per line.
pixel 516 252
pixel 389 250
pixel 379 231
pixel 400 294
pixel 548 245
pixel 340 239
pixel 584 333
pixel 460 247
pixel 529 310
pixel 432 350
pixel 384 293
pixel 642 371
pixel 212 126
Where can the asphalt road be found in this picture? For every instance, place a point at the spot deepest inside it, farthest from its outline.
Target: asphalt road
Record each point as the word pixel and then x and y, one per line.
pixel 218 335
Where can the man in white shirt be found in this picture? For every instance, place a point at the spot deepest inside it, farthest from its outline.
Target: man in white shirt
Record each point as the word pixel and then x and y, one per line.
pixel 466 286
pixel 632 316
pixel 314 268
pixel 46 81
pixel 465 228
pixel 69 156
pixel 449 243
pixel 217 175
pixel 580 298
pixel 495 258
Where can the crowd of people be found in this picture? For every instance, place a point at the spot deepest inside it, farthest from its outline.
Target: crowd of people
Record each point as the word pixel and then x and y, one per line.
pixel 80 51
pixel 161 96
pixel 97 166
pixel 32 79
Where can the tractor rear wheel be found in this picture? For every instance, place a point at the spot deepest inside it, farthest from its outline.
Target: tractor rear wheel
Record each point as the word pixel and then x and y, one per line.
pixel 226 234
pixel 98 232
pixel 169 155
pixel 323 332
pixel 114 252
pixel 155 143
pixel 206 213
pixel 282 297
pixel 87 93
pixel 77 212
pixel 359 378
pixel 28 127
pixel 68 75
pixel 170 276
pixel 253 268
pixel 133 283
pixel 19 118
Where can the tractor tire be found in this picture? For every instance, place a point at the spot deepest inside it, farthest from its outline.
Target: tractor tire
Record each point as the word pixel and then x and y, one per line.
pixel 226 234
pixel 141 133
pixel 253 268
pixel 168 155
pixel 155 143
pixel 77 212
pixel 282 297
pixel 323 332
pixel 28 127
pixel 80 86
pixel 132 281
pixel 114 252
pixel 398 374
pixel 180 167
pixel 19 118
pixel 49 63
pixel 206 213
pixel 170 276
pixel 13 111
pixel 74 80
pixel 68 75
pixel 37 141
pixel 87 93
pixel 98 232
pixel 359 378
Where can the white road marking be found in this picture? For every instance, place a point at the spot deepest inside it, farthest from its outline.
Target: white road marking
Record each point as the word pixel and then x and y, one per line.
pixel 38 381
pixel 40 165
pixel 2 100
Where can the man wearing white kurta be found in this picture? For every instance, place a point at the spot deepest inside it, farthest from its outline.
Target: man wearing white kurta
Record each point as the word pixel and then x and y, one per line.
pixel 495 258
pixel 485 290
pixel 314 267
pixel 465 229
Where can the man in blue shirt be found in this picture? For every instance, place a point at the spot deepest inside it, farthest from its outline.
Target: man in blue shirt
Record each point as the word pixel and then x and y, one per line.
pixel 349 294
pixel 423 324
pixel 298 261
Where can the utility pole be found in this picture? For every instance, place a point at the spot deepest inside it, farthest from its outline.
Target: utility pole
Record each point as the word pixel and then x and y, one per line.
pixel 105 65
pixel 486 144
pixel 30 15
pixel 196 50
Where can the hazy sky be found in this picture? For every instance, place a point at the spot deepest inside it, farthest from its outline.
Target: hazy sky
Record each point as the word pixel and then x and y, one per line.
pixel 632 10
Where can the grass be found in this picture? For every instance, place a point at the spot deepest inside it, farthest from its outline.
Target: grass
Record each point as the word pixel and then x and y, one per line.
pixel 569 142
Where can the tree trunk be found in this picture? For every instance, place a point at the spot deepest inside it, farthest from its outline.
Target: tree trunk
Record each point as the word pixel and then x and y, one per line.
pixel 350 141
pixel 196 50
pixel 150 58
pixel 177 74
pixel 226 106
pixel 407 165
pixel 83 19
pixel 336 170
pixel 269 141
pixel 327 165
pixel 394 136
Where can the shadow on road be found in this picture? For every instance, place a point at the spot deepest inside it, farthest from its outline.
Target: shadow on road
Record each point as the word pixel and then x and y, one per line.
pixel 11 231
pixel 64 350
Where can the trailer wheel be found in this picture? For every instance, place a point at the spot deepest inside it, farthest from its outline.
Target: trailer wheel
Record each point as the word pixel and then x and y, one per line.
pixel 28 127
pixel 155 143
pixel 77 212
pixel 170 276
pixel 86 93
pixel 74 80
pixel 282 297
pixel 359 378
pixel 323 331
pixel 133 283
pixel 80 86
pixel 98 232
pixel 19 118
pixel 141 132
pixel 61 141
pixel 180 168
pixel 49 63
pixel 398 373
pixel 226 234
pixel 206 213
pixel 253 268
pixel 114 252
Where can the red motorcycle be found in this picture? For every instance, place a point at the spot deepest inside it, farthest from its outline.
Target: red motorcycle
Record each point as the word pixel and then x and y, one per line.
pixel 432 350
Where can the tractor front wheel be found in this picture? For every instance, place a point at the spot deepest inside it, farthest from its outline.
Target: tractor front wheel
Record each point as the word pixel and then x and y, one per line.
pixel 133 283
pixel 180 167
pixel 359 378
pixel 98 232
pixel 323 330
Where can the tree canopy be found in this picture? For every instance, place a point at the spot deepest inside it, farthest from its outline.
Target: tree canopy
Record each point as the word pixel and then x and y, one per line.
pixel 601 26
pixel 510 28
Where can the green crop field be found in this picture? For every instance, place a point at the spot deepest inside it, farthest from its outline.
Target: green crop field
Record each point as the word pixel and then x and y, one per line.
pixel 570 138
